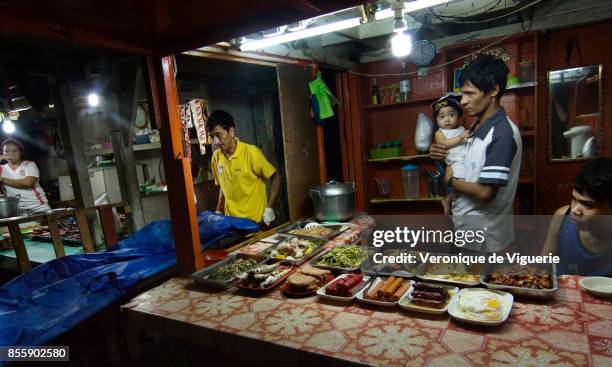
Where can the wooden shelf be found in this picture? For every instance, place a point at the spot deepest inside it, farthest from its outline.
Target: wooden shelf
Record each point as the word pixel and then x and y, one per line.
pixel 402 158
pixel 400 104
pixel 382 200
pixel 136 147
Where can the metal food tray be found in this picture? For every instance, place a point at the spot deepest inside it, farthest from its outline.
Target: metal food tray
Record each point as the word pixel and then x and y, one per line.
pixel 369 267
pixel 522 291
pixel 316 250
pixel 337 229
pixel 422 274
pixel 314 261
pixel 199 277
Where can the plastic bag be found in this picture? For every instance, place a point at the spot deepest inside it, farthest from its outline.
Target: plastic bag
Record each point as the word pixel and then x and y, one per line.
pixel 424 131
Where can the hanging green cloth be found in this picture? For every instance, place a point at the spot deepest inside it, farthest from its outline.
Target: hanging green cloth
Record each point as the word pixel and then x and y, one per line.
pixel 324 96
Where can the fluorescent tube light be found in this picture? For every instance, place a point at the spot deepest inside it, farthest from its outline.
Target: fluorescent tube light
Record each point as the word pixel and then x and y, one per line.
pixel 308 32
pixel 409 7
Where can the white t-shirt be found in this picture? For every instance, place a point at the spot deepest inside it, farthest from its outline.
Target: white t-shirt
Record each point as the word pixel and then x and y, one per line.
pixel 456 154
pixel 32 199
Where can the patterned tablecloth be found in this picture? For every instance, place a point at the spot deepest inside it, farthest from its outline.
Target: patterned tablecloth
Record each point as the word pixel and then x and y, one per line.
pixel 573 329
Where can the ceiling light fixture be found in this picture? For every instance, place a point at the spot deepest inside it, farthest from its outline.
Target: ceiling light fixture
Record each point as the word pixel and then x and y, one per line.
pixel 93 99
pixel 293 36
pixel 401 44
pixel 8 126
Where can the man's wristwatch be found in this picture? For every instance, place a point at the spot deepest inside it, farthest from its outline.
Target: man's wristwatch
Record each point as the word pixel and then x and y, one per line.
pixel 450 182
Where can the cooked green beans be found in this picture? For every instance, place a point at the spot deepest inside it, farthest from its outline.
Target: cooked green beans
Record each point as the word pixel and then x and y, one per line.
pixel 344 256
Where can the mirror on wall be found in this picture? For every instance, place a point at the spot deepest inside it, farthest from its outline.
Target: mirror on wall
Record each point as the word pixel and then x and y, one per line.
pixel 575 112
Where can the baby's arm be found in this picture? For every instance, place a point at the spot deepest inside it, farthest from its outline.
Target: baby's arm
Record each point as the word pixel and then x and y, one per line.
pixel 452 142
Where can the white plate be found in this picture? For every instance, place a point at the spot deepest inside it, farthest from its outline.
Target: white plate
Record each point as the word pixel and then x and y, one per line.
pixel 406 301
pixel 321 292
pixel 506 298
pixel 361 296
pixel 601 286
pixel 448 281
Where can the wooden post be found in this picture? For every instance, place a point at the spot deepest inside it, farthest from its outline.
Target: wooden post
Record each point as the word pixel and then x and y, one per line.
pixel 19 246
pixel 130 80
pixel 81 219
pixel 107 221
pixel 178 170
pixel 58 246
pixel 73 144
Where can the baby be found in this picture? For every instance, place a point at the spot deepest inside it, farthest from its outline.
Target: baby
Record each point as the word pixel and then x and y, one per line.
pixel 447 111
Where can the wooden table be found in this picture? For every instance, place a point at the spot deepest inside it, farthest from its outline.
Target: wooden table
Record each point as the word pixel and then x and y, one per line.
pixel 51 218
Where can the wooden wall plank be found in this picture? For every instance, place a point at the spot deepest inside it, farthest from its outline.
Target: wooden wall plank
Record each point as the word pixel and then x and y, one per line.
pixel 299 138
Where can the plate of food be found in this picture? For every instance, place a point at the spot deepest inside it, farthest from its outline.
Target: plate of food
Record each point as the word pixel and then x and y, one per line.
pixel 293 250
pixel 341 258
pixel 451 273
pixel 428 297
pixel 385 291
pixel 481 306
pixel 306 281
pixel 316 232
pixel 265 276
pixel 344 288
pixel 224 273
pixel 535 280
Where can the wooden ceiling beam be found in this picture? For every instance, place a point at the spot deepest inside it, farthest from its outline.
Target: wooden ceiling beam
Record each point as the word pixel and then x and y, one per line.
pixel 18 27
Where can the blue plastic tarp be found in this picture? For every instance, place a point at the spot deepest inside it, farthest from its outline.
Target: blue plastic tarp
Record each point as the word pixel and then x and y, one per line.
pixel 54 297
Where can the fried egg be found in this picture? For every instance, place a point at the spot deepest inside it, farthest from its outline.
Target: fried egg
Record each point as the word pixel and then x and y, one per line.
pixel 482 305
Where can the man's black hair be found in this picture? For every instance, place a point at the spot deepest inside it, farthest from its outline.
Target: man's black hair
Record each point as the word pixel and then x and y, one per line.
pixel 221 118
pixel 485 72
pixel 595 180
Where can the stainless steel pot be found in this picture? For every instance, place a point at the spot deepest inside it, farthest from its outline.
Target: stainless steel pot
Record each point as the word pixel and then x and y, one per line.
pixel 334 201
pixel 8 206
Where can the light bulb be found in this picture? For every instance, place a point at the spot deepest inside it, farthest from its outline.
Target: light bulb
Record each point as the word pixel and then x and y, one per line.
pixel 93 99
pixel 8 126
pixel 401 44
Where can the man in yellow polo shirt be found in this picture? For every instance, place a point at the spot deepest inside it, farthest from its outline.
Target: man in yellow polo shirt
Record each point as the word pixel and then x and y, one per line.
pixel 241 170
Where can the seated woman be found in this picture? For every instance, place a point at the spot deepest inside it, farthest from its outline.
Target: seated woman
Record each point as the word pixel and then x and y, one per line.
pixel 19 177
pixel 581 233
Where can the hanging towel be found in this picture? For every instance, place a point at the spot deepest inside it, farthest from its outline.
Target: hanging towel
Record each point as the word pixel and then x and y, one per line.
pixel 325 98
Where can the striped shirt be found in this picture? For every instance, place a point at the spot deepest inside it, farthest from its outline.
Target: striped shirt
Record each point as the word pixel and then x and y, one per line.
pixel 493 157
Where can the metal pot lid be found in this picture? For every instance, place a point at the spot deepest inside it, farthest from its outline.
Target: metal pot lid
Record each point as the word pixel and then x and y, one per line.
pixel 335 188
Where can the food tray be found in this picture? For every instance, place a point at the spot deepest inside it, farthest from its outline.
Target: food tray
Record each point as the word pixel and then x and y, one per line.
pixel 292 270
pixel 288 292
pixel 266 252
pixel 422 271
pixel 369 267
pixel 199 277
pixel 453 307
pixel 406 301
pixel 336 230
pixel 361 295
pixel 321 292
pixel 521 291
pixel 314 261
